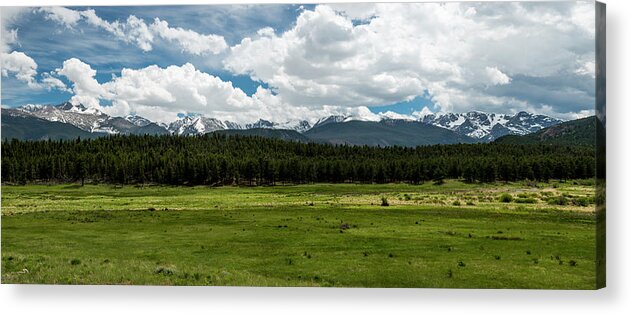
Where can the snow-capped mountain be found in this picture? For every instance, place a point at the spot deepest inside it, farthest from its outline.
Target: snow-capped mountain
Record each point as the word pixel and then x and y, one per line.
pixel 297 125
pixel 195 125
pixel 341 118
pixel 91 119
pixel 192 125
pixel 489 127
pixel 474 124
pixel 138 120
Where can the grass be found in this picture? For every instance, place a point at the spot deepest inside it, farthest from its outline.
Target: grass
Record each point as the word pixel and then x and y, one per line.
pixel 308 235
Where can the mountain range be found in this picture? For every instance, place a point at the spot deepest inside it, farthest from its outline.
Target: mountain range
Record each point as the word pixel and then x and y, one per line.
pixel 380 129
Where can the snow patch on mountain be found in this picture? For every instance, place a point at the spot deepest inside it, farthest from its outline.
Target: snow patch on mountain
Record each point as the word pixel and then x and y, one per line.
pixel 491 126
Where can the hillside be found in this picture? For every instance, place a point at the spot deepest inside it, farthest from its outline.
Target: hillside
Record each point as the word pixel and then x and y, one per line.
pixel 282 134
pixel 25 127
pixel 575 132
pixel 384 133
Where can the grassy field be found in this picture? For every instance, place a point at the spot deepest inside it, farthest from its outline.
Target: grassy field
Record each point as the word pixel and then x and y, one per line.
pixel 455 235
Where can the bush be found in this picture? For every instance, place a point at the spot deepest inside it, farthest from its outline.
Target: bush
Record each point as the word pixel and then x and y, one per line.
pixel 384 202
pixel 560 201
pixel 456 203
pixel 164 271
pixel 75 262
pixel 470 203
pixel 505 197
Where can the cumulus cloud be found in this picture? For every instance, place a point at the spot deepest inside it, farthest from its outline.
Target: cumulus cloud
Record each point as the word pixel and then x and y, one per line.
pixel 452 51
pixel 61 15
pixel 161 94
pixel 496 77
pixel 136 31
pixel 50 82
pixel 19 64
pixel 86 89
pixel 190 41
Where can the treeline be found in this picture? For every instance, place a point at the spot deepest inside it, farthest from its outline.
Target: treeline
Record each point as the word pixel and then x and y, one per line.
pixel 215 159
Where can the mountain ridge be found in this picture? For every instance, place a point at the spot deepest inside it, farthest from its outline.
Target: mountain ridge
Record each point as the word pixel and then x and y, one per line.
pixel 574 132
pixel 476 125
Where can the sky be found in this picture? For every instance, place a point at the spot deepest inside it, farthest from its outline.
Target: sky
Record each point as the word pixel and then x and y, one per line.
pixel 288 62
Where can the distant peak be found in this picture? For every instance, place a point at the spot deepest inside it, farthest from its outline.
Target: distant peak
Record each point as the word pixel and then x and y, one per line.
pixel 67 106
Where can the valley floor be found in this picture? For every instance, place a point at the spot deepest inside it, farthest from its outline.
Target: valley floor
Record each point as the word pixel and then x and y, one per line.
pixel 454 235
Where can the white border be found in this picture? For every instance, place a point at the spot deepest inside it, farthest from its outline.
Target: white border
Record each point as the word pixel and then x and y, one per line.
pixel 31 299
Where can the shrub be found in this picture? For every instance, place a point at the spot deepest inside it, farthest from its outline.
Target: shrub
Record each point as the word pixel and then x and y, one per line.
pixel 167 271
pixel 75 262
pixel 456 203
pixel 560 201
pixel 505 197
pixel 407 197
pixel 384 202
pixel 470 203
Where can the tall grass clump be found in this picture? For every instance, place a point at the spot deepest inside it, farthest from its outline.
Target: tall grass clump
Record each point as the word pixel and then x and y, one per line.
pixel 506 197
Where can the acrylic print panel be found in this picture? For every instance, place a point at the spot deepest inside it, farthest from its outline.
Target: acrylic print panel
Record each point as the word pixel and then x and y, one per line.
pixel 423 145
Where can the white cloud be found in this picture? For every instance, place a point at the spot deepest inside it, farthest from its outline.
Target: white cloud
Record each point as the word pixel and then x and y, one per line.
pixel 587 68
pixel 584 17
pixel 22 66
pixel 50 82
pixel 355 11
pixel 161 93
pixel 190 41
pixel 422 113
pixel 451 50
pixel 61 15
pixel 9 35
pixel 577 115
pixel 135 30
pixel 497 77
pixel 86 89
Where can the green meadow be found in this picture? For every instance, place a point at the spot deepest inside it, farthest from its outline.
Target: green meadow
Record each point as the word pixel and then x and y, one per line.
pixel 455 235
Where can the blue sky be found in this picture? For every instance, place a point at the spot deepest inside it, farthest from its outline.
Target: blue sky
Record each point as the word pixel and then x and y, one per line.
pixel 305 60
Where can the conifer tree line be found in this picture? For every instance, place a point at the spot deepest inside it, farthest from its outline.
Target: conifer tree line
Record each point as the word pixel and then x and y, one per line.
pixel 215 159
